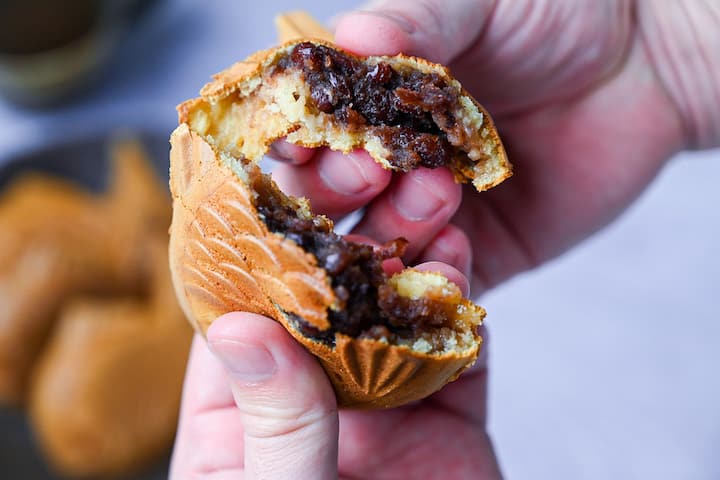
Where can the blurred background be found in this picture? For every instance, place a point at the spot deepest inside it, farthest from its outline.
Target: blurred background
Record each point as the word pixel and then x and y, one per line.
pixel 603 361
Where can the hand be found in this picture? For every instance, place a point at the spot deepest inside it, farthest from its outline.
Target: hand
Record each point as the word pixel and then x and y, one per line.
pixel 588 117
pixel 262 407
pixel 586 112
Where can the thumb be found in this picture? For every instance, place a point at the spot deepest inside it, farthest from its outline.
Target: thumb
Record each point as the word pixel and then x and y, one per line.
pixel 287 406
pixel 513 55
pixel 435 29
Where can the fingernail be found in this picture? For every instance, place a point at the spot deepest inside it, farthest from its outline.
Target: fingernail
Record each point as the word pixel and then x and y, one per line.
pixel 280 151
pixel 293 154
pixel 397 18
pixel 344 176
pixel 415 200
pixel 446 253
pixel 245 362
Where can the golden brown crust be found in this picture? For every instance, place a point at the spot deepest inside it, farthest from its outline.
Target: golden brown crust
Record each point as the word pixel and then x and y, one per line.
pixel 223 259
pixel 98 359
pixel 381 375
pixel 58 240
pixel 222 255
pixel 106 391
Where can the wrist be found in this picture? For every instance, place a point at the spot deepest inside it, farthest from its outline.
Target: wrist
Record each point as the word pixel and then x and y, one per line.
pixel 682 40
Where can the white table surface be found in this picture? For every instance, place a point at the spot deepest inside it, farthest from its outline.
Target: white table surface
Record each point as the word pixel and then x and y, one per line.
pixel 604 362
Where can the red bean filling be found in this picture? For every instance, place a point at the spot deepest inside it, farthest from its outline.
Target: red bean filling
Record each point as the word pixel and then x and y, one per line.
pixel 407 110
pixel 368 307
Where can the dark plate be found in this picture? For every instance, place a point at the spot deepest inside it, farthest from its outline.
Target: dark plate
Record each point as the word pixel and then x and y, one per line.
pixel 84 161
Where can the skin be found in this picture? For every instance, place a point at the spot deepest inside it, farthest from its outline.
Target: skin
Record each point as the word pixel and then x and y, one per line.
pixel 588 116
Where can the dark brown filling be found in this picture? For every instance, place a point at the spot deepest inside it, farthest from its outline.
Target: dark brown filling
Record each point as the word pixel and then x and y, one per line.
pixel 408 110
pixel 368 307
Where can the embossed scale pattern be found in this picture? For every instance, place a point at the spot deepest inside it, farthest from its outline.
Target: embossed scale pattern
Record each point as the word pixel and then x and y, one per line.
pixel 382 375
pixel 230 261
pixel 223 259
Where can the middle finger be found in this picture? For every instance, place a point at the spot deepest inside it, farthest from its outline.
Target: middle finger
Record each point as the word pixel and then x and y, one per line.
pixel 417 206
pixel 335 183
